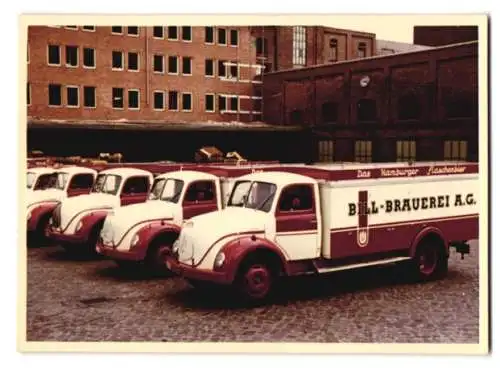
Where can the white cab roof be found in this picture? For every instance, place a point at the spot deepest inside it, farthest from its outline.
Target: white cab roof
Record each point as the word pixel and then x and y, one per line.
pixel 76 170
pixel 41 170
pixel 278 178
pixel 127 172
pixel 188 175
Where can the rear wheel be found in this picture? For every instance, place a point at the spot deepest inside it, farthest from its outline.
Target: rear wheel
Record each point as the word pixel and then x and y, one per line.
pixel 430 261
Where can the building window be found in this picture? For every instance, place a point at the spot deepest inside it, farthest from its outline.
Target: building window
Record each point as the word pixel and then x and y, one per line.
pixel 209 35
pixel 173 100
pixel 133 61
pixel 221 36
pixel 233 70
pixel 28 94
pixel 117 62
pixel 222 103
pixel 133 31
pixel 89 97
pixel 117 98
pixel 54 55
pixel 329 112
pixel 117 30
pixel 367 110
pixel 71 56
pixel 363 151
pixel 71 27
pixel 172 64
pixel 221 68
pixel 461 105
pixel 233 37
pixel 299 46
pixel 362 50
pixel 455 150
pixel 233 104
pixel 326 151
pixel 88 57
pixel 172 33
pixel 55 95
pixel 261 46
pixel 158 31
pixel 89 28
pixel 210 103
pixel 158 63
pixel 333 54
pixel 186 65
pixel 209 67
pixel 72 98
pixel 186 33
pixel 158 100
pixel 406 151
pixel 409 107
pixel 186 101
pixel 296 117
pixel 133 99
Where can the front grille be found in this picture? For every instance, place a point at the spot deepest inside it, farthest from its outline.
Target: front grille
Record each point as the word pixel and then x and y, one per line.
pixel 56 216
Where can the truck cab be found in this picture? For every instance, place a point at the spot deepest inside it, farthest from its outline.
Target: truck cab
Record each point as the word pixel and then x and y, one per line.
pixel 141 234
pixel 40 178
pixel 77 221
pixel 53 186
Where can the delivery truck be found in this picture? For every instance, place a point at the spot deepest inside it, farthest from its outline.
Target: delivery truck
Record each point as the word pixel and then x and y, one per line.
pixel 313 220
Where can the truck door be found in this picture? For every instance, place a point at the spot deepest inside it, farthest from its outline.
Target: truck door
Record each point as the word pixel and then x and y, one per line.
pixel 296 221
pixel 134 190
pixel 200 198
pixel 80 184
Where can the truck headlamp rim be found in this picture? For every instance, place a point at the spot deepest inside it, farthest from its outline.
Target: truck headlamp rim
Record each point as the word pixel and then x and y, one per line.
pixel 219 259
pixel 175 247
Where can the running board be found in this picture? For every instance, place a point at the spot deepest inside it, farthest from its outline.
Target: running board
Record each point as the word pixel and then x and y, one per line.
pixel 362 265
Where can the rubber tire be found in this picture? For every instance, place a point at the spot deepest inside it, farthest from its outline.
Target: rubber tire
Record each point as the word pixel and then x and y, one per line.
pixel 39 235
pixel 153 264
pixel 430 261
pixel 256 269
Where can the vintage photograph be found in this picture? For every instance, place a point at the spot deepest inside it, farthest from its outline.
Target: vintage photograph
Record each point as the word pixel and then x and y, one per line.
pixel 307 181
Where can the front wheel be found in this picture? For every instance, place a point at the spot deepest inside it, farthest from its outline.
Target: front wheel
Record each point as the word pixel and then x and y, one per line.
pixel 155 258
pixel 256 280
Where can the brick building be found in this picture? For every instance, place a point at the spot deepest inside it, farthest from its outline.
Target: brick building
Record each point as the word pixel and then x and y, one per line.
pixel 444 35
pixel 409 106
pixel 169 73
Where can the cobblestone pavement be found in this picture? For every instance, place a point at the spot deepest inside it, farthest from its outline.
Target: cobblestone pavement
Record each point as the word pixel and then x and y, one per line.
pixel 92 300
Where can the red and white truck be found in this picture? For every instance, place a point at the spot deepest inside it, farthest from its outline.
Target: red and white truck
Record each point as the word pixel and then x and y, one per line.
pixel 310 220
pixel 77 221
pixel 49 186
pixel 141 234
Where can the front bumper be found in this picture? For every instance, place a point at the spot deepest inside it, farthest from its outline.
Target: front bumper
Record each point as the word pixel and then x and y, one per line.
pixel 61 237
pixel 113 253
pixel 190 272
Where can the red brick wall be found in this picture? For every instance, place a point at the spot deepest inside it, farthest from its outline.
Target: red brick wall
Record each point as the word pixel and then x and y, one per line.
pixel 444 35
pixel 103 78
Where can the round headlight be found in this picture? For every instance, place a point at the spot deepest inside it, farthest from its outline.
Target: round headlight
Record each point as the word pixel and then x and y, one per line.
pixel 79 226
pixel 135 240
pixel 219 260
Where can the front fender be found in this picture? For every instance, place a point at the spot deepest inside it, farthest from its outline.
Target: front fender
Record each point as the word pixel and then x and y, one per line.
pixel 148 233
pixel 236 250
pixel 89 221
pixel 423 233
pixel 38 212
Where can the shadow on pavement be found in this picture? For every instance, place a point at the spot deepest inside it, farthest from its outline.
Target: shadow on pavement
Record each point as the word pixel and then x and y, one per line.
pixel 129 274
pixel 303 288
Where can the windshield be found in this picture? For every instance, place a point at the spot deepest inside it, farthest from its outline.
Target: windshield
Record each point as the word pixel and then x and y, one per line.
pixel 30 179
pixel 46 181
pixel 253 195
pixel 172 190
pixel 62 179
pixel 107 183
pixel 157 189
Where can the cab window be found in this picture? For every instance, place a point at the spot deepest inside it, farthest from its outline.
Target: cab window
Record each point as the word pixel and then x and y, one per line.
pixel 136 185
pixel 81 181
pixel 200 191
pixel 296 198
